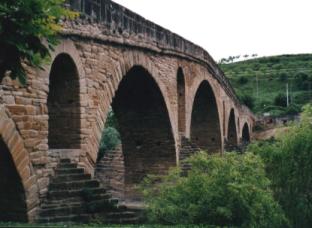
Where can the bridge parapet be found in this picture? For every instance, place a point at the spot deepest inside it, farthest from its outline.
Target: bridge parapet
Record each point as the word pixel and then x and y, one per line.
pixel 120 20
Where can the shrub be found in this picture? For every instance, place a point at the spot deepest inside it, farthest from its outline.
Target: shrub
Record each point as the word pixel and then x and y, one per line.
pixel 248 100
pixel 288 164
pixel 283 77
pixel 242 80
pixel 280 100
pixel 303 81
pixel 229 190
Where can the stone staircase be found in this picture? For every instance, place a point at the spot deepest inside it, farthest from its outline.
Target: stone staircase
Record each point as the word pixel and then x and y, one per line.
pixel 74 197
pixel 187 149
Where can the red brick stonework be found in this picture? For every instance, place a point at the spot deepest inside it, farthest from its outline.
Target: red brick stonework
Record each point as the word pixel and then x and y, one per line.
pixel 161 87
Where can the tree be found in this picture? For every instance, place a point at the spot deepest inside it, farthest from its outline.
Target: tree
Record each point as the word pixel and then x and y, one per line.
pixel 242 80
pixel 280 100
pixel 288 165
pixel 110 139
pixel 223 191
pixel 28 32
pixel 247 100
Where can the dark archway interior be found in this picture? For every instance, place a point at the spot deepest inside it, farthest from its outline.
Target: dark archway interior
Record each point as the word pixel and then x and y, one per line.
pixel 246 135
pixel 181 100
pixel 144 126
pixel 12 194
pixel 205 124
pixel 63 104
pixel 232 133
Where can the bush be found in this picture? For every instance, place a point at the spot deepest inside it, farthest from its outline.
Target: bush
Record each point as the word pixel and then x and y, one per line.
pixel 293 109
pixel 229 190
pixel 283 77
pixel 303 81
pixel 248 100
pixel 288 164
pixel 242 80
pixel 280 100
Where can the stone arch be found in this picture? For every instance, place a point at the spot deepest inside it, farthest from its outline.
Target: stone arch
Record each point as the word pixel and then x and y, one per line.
pixel 148 144
pixel 64 104
pixel 181 101
pixel 12 194
pixel 19 191
pixel 232 138
pixel 245 134
pixel 205 122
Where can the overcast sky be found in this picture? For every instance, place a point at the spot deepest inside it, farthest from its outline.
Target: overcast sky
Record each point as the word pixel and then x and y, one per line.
pixel 234 27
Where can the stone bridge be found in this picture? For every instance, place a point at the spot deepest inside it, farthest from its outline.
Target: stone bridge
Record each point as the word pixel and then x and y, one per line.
pixel 162 88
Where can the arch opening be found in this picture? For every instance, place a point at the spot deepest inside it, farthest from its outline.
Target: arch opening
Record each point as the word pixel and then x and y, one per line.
pixel 12 194
pixel 64 104
pixel 245 134
pixel 181 101
pixel 205 123
pixel 147 142
pixel 232 133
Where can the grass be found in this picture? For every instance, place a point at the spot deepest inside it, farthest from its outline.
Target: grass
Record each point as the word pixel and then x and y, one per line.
pixel 265 78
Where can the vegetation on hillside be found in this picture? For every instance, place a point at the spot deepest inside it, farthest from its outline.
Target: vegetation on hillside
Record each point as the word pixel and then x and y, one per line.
pixel 28 32
pixel 261 83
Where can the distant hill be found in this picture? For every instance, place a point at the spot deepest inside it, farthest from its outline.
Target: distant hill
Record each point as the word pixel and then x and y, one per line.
pixel 261 83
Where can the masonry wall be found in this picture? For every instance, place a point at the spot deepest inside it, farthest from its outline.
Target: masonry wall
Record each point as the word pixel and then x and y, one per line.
pixel 102 58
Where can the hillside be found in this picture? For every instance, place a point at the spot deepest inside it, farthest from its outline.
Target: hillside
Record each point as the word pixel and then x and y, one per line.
pixel 261 83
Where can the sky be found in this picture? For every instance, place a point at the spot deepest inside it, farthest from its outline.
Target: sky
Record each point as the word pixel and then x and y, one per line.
pixel 234 27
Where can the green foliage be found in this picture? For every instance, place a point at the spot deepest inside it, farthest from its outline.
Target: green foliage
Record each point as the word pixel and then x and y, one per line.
pixel 280 100
pixel 110 139
pixel 288 163
pixel 247 100
pixel 242 80
pixel 230 190
pixel 303 81
pixel 28 32
pixel 110 136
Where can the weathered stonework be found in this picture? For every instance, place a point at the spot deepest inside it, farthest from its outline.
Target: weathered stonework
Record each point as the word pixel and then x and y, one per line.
pixel 161 87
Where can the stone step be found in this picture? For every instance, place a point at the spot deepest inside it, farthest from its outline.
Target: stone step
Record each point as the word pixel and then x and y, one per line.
pixel 74 185
pixel 71 177
pixel 67 165
pixel 63 194
pixel 81 218
pixel 65 160
pixel 75 200
pixel 63 210
pixel 133 220
pixel 59 171
pixel 121 214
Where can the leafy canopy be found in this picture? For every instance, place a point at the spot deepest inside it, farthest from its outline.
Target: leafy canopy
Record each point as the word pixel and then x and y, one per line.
pixel 28 32
pixel 230 190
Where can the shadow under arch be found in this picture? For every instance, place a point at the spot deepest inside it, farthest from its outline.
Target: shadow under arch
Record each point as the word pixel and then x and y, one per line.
pixel 205 123
pixel 148 145
pixel 13 205
pixel 245 134
pixel 232 138
pixel 64 104
pixel 181 101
